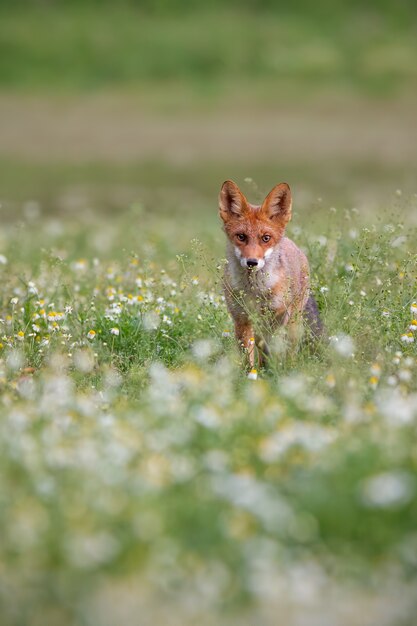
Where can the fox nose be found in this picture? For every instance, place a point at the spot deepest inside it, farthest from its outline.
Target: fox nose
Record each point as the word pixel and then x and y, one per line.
pixel 252 262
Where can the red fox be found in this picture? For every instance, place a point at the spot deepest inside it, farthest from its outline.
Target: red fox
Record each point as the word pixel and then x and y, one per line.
pixel 267 275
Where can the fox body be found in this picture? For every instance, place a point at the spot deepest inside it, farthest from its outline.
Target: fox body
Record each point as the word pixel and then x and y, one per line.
pixel 266 275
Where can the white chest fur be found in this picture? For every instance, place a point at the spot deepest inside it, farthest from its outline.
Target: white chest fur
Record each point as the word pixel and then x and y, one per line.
pixel 256 283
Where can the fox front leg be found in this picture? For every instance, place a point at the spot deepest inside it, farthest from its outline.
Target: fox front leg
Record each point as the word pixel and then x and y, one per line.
pixel 244 336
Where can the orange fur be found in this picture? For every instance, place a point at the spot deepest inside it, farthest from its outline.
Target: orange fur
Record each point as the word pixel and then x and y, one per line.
pixel 266 273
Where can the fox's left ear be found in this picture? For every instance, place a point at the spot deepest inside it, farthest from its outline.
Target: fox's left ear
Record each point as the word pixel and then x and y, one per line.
pixel 277 204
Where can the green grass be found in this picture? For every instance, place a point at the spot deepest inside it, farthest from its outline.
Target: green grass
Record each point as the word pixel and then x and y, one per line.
pixel 142 461
pixel 290 50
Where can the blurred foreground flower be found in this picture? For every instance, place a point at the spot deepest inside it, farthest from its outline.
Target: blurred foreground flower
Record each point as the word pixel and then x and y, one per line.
pixel 343 345
pixel 387 490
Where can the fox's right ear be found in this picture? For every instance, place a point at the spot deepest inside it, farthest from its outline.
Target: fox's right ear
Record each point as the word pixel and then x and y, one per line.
pixel 232 202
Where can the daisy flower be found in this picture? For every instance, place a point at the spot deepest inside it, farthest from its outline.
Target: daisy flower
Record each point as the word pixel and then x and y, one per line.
pixel 373 381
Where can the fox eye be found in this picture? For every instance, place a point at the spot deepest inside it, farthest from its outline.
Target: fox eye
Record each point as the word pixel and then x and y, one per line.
pixel 241 236
pixel 266 238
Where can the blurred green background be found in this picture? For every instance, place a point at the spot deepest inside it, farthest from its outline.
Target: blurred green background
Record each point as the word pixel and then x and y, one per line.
pixel 107 103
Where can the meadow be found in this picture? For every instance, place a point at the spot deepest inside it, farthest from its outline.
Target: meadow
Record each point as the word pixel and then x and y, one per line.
pixel 143 470
pixel 144 478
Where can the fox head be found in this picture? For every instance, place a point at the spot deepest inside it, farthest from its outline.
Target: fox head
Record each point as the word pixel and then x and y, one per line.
pixel 253 230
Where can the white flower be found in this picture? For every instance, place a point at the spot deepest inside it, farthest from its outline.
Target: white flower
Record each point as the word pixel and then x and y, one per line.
pixel 413 307
pixel 202 349
pixel 3 260
pixel 375 369
pixel 343 345
pixel 311 437
pixel 387 490
pixel 405 375
pixel 115 331
pixel 253 374
pixel 407 338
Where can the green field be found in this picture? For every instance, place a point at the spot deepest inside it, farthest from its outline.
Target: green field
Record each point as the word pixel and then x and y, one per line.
pixel 138 459
pixel 67 46
pixel 144 478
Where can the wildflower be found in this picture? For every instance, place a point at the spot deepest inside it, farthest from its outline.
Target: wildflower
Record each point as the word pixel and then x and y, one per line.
pixel 324 289
pixel 14 301
pixel 115 331
pixel 226 333
pixel 407 338
pixel 203 348
pixel 20 335
pixel 343 345
pixel 373 381
pixel 79 265
pixel 387 490
pixel 376 370
pixel 405 376
pixel 91 334
pixel 413 307
pixel 194 280
pixel 385 313
pixel 252 341
pixel 3 259
pixel 413 326
pixel 253 374
pixel 330 380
